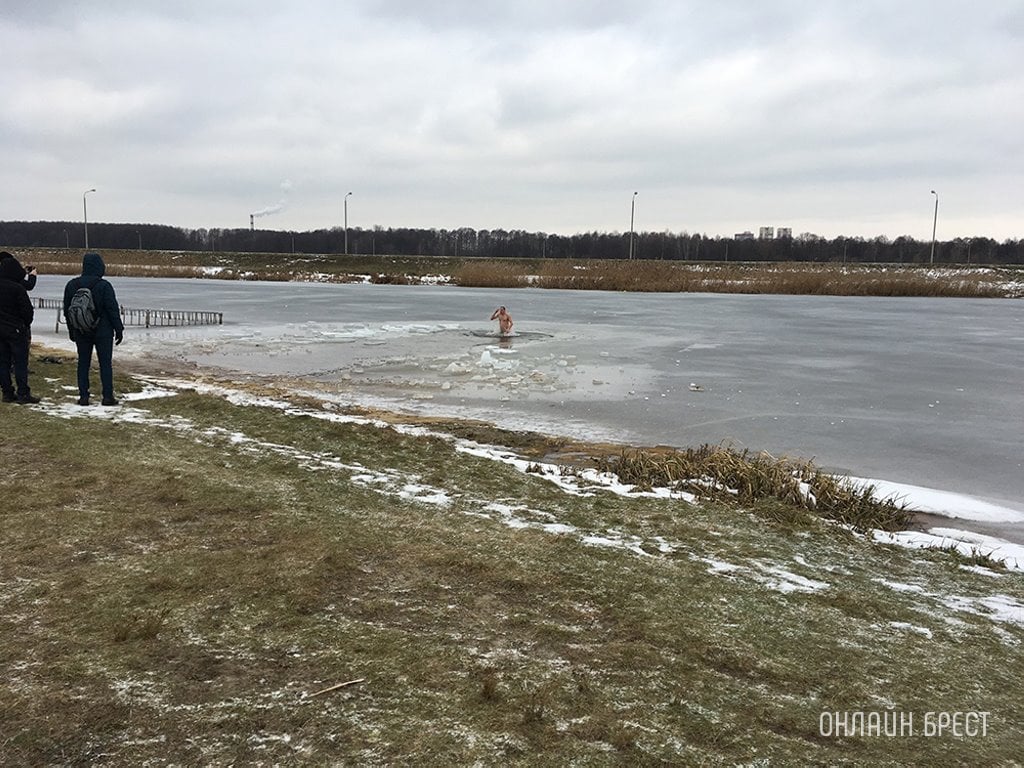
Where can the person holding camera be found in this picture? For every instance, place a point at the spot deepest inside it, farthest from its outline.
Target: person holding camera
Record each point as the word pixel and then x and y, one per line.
pixel 29 281
pixel 16 315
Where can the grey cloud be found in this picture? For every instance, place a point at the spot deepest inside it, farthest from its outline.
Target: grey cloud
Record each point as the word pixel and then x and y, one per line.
pixel 524 115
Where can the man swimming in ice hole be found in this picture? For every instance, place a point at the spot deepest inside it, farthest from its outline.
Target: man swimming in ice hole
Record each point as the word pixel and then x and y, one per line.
pixel 504 321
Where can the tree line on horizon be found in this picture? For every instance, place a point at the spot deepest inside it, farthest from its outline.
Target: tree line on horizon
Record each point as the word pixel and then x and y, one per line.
pixel 499 243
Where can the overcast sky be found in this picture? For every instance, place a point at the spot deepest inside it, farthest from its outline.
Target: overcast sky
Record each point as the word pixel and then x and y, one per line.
pixel 837 118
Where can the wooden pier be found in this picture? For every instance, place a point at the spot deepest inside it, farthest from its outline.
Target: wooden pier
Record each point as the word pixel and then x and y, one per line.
pixel 144 318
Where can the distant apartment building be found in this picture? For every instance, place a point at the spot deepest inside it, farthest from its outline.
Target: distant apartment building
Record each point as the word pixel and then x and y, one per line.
pixel 766 233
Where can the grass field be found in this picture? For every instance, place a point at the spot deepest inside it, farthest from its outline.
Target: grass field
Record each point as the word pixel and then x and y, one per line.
pixel 661 276
pixel 181 578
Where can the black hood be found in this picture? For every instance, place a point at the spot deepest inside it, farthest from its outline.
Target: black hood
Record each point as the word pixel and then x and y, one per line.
pixel 92 265
pixel 11 269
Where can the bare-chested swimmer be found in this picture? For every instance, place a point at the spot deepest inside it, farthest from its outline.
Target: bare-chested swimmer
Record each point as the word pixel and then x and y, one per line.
pixel 504 321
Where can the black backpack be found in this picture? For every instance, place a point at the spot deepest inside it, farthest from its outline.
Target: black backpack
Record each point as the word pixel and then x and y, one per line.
pixel 82 315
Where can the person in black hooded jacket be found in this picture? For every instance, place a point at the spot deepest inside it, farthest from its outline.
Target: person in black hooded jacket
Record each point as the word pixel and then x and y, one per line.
pixel 109 332
pixel 16 315
pixel 29 279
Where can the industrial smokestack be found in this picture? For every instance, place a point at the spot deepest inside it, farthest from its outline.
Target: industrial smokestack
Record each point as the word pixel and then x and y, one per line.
pixel 286 188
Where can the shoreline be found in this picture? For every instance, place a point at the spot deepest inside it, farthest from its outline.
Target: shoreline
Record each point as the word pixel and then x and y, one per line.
pixel 985 528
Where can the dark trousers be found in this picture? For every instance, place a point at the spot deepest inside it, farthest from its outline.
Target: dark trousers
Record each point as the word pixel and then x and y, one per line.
pixel 104 346
pixel 14 354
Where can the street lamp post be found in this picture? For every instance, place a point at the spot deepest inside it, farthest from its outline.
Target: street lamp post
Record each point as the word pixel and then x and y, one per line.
pixel 632 211
pixel 935 221
pixel 85 217
pixel 346 222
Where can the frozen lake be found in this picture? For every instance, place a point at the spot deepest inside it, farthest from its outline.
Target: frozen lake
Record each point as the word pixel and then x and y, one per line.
pixel 919 391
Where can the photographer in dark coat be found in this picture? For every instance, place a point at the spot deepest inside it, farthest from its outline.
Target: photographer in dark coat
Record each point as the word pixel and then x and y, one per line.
pixel 108 332
pixel 16 316
pixel 29 279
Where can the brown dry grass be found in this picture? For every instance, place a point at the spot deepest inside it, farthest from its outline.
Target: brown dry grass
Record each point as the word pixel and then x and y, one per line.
pixel 724 474
pixel 492 274
pixel 640 275
pixel 657 276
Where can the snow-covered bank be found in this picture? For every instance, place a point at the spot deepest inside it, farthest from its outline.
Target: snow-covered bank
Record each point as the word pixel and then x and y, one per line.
pixel 956 507
pixel 943 503
pixel 967 543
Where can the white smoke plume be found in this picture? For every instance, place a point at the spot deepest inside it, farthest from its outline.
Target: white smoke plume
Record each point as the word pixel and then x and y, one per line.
pixel 286 188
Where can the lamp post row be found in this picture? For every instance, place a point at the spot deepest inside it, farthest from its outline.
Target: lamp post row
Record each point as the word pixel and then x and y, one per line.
pixel 85 221
pixel 632 216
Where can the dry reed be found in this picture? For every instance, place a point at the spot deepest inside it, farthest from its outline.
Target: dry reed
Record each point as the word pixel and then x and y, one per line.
pixel 723 474
pixel 616 275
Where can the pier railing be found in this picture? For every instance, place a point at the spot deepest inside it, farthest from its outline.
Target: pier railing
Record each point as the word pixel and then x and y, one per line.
pixel 163 317
pixel 146 318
